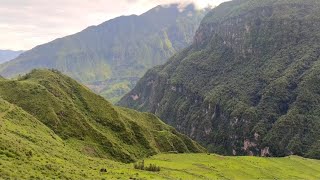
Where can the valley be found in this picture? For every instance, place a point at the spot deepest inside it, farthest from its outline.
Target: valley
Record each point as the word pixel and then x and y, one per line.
pixel 181 91
pixel 36 145
pixel 248 85
pixel 111 57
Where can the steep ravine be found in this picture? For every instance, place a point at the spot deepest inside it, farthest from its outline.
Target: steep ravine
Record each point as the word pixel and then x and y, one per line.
pixel 248 85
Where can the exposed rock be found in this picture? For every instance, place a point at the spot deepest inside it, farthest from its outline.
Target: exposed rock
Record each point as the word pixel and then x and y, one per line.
pixel 265 152
pixel 135 97
pixel 234 152
pixel 207 130
pixel 254 68
pixel 248 144
pixel 256 136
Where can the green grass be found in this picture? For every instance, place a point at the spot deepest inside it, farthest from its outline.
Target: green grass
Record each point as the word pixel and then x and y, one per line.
pixel 204 166
pixel 89 122
pixel 114 91
pixel 30 149
pixel 53 158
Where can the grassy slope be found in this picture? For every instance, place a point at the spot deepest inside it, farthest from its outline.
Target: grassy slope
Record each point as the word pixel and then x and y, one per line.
pixel 90 123
pixel 29 149
pixel 52 158
pixel 203 166
pixel 21 134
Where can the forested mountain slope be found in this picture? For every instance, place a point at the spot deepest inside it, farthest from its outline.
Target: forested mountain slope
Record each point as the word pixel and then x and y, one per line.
pixel 249 83
pixel 52 127
pixel 111 57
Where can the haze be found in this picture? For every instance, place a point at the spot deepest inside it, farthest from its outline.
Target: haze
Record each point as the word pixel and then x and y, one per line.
pixel 25 24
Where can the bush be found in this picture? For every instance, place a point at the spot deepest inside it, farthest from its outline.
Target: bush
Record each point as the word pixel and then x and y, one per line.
pixel 29 153
pixel 139 165
pixel 151 167
pixel 103 170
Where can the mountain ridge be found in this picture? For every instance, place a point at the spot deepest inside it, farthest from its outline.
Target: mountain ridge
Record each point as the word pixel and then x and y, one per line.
pixel 7 55
pixel 87 121
pixel 242 87
pixel 110 57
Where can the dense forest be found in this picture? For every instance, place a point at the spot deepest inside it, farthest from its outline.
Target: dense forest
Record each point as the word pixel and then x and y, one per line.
pixel 249 82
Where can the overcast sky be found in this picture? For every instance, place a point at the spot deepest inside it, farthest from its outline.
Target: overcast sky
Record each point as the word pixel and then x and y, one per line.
pixel 27 23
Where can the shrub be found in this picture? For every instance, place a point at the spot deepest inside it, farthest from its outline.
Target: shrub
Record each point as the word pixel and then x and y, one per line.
pixel 139 165
pixel 103 170
pixel 151 167
pixel 29 153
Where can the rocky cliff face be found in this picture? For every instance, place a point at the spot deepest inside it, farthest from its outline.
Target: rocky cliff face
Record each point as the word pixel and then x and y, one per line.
pixel 247 85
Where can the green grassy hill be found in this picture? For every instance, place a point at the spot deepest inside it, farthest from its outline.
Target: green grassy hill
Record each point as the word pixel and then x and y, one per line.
pixel 203 166
pixel 50 128
pixel 90 123
pixel 111 57
pixel 249 83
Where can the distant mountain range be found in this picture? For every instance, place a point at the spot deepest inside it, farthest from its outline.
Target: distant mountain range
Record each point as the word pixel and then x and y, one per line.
pixel 7 55
pixel 111 57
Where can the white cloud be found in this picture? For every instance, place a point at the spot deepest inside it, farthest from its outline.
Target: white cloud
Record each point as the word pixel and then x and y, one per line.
pixel 27 23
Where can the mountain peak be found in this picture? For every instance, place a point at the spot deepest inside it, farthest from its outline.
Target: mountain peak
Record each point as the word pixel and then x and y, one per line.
pixel 110 57
pixel 75 113
pixel 176 6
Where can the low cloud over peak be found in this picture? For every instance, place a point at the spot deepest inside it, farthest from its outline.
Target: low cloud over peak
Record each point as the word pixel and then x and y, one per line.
pixel 25 24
